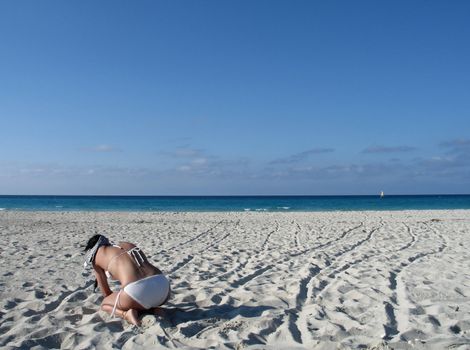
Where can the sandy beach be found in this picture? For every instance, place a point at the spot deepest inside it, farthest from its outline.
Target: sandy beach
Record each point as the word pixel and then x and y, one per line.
pixel 319 280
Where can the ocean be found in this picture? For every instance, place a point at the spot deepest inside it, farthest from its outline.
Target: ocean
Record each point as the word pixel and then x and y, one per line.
pixel 233 203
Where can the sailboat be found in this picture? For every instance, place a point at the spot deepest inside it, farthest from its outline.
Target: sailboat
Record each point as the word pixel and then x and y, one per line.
pixel 381 194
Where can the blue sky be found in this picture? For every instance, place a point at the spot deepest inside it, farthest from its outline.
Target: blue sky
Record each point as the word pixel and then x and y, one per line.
pixel 234 97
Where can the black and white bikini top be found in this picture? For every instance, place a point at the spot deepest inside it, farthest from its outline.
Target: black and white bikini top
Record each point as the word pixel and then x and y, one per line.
pixel 135 253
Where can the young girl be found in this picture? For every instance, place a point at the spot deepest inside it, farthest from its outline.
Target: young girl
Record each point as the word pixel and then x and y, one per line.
pixel 143 286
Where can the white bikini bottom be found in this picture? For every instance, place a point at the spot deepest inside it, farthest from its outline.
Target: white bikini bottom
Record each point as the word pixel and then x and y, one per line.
pixel 150 291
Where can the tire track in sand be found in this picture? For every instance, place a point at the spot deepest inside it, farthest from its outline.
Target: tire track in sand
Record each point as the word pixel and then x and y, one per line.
pixel 328 243
pixel 240 266
pixel 322 278
pixel 185 260
pixel 399 299
pixel 268 236
pixel 291 316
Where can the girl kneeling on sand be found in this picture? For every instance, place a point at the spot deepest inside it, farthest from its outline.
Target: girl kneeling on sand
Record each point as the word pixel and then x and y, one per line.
pixel 143 286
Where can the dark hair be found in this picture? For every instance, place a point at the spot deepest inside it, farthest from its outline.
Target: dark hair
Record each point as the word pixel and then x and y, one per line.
pixel 91 242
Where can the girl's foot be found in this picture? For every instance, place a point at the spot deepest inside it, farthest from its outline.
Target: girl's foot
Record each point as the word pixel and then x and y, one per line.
pixel 132 316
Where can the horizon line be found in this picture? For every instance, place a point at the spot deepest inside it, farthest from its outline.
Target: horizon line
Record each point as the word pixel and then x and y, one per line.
pixel 230 195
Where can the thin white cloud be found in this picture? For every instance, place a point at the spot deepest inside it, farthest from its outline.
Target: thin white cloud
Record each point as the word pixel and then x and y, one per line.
pixel 457 146
pixel 184 152
pixel 103 148
pixel 301 156
pixel 388 149
pixel 199 161
pixel 456 143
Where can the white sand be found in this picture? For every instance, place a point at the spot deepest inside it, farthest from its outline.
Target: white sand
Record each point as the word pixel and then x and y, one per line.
pixel 246 280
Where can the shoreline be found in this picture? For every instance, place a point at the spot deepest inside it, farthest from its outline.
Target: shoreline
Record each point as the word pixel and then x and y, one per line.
pixel 5 210
pixel 316 280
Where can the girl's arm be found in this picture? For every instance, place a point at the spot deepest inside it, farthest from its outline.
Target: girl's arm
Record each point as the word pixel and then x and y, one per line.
pixel 102 281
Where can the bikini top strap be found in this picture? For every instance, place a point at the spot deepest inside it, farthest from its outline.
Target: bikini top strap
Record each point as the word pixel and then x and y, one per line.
pixel 136 254
pixel 114 257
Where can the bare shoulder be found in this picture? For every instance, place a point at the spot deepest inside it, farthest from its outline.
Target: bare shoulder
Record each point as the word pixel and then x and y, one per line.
pixel 127 245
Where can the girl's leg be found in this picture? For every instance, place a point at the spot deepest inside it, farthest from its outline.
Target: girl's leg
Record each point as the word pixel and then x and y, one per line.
pixel 131 315
pixel 126 307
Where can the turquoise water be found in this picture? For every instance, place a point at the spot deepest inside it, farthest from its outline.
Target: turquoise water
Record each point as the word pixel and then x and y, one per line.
pixel 232 203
